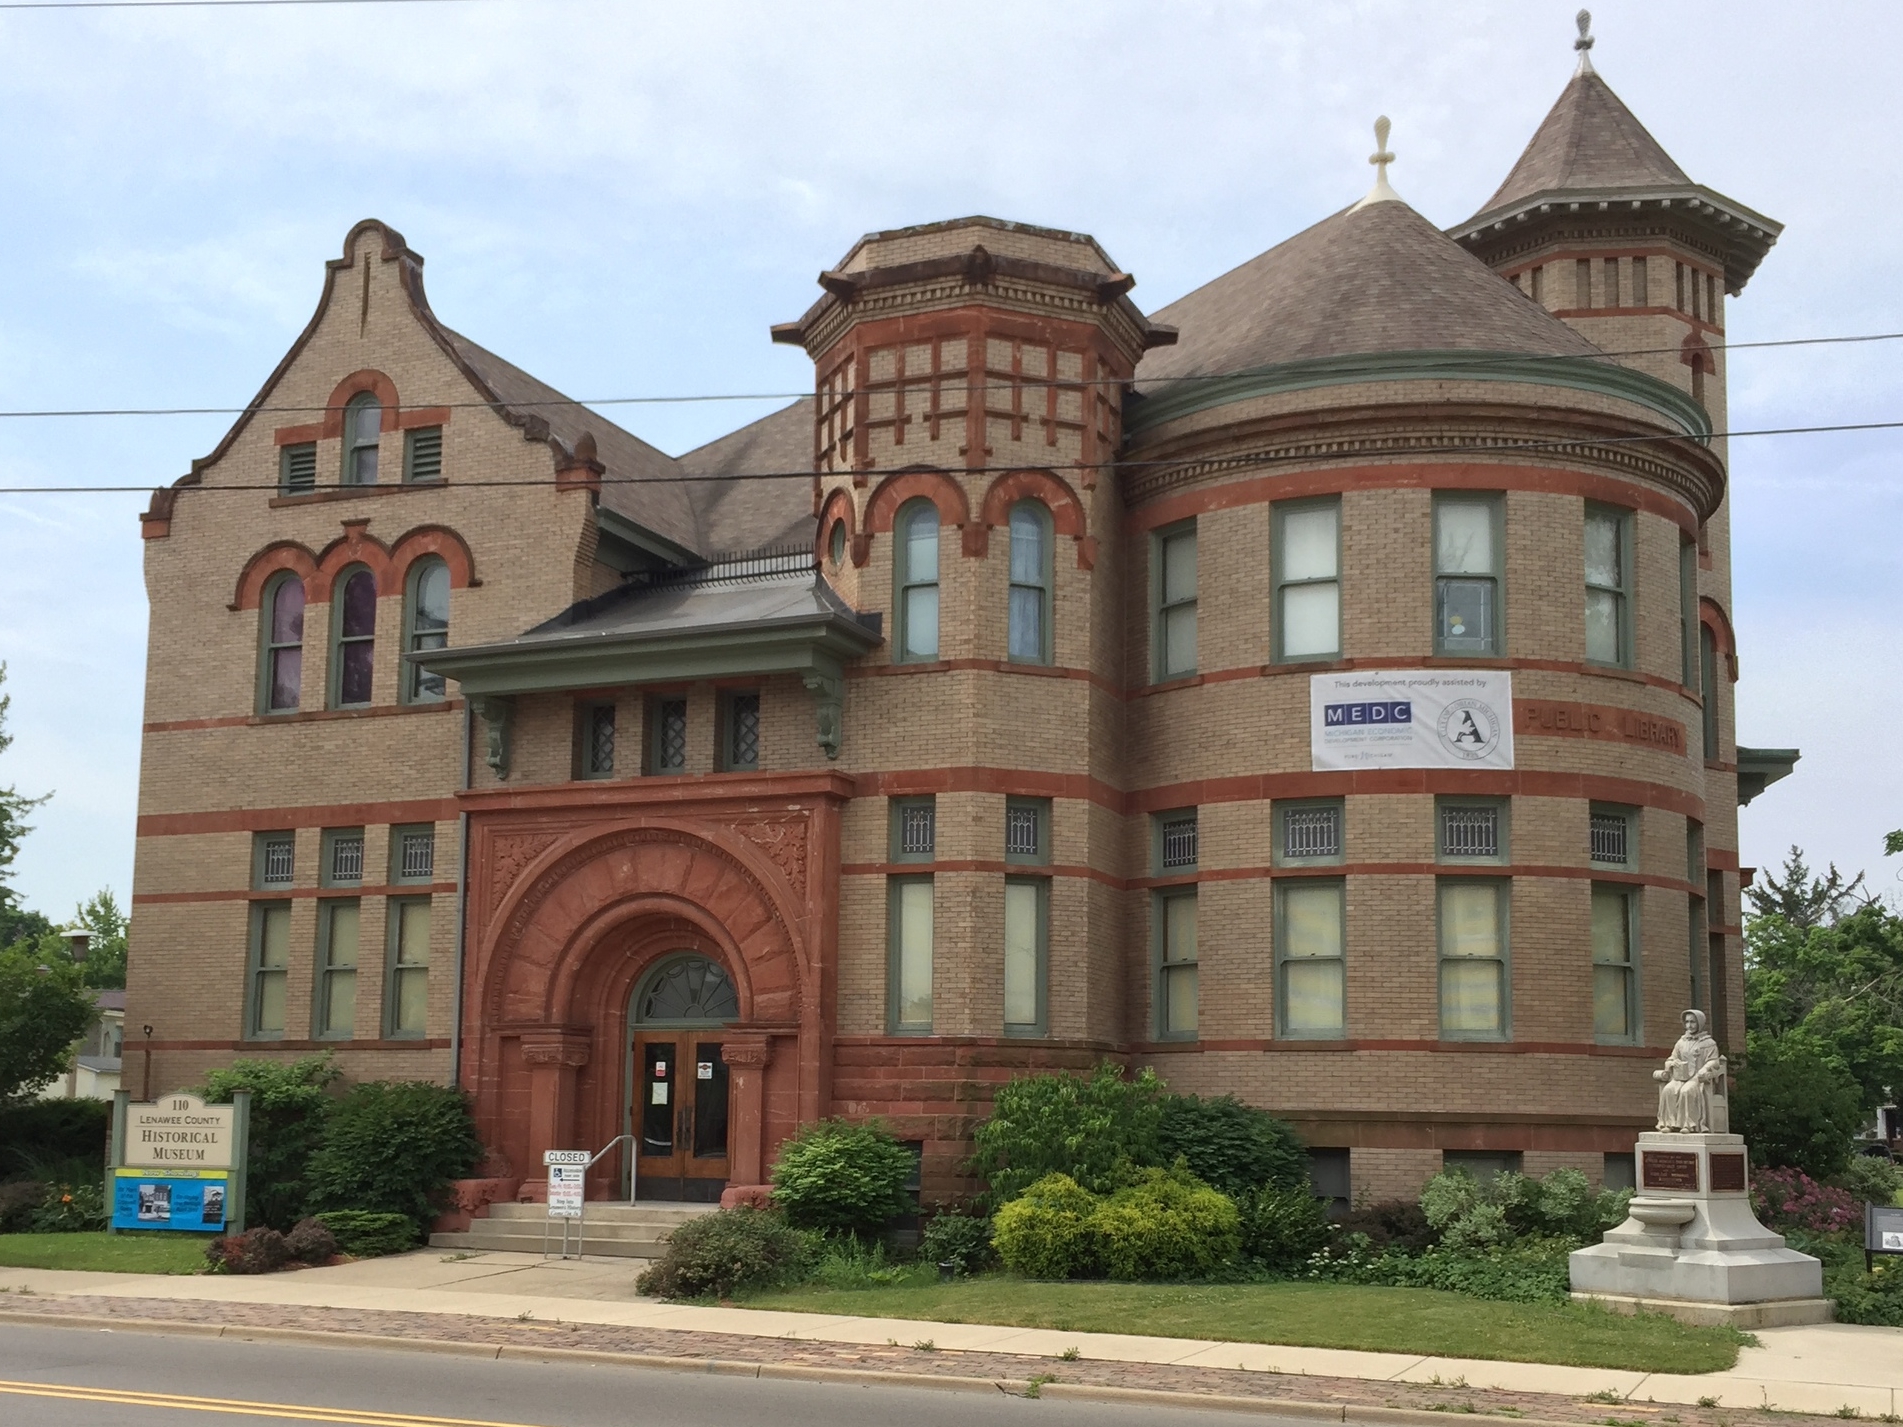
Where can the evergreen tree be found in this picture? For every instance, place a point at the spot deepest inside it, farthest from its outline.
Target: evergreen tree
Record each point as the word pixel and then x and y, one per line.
pixel 1802 899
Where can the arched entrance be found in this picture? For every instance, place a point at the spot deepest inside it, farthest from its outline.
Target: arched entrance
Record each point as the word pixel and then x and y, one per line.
pixel 677 1078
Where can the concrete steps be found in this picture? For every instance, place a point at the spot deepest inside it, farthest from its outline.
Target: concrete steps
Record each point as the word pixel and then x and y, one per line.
pixel 634 1231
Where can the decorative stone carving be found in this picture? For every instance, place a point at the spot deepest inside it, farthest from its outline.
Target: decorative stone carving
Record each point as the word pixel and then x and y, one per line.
pixel 829 700
pixel 509 854
pixel 555 1048
pixel 497 711
pixel 783 840
pixel 746 1052
pixel 1692 1095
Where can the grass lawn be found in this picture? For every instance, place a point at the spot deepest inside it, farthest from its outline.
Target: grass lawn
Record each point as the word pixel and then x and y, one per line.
pixel 113 1253
pixel 1306 1315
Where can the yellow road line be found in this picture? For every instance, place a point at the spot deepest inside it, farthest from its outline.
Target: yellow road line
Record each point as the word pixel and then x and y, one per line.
pixel 129 1397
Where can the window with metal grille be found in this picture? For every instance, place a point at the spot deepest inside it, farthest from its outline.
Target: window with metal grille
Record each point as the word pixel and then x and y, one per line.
pixel 743 731
pixel 1611 838
pixel 277 862
pixel 1311 832
pixel 1179 843
pixel 423 454
pixel 297 468
pixel 1469 832
pixel 598 752
pixel 346 858
pixel 670 736
pixel 416 859
pixel 918 829
pixel 1020 830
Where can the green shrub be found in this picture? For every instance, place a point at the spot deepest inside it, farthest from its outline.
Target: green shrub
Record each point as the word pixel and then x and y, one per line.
pixel 842 1177
pixel 1282 1228
pixel 1874 1298
pixel 1469 1215
pixel 1169 1224
pixel 70 1209
pixel 259 1250
pixel 719 1254
pixel 1871 1180
pixel 310 1242
pixel 366 1235
pixel 289 1101
pixel 1533 1270
pixel 1796 1109
pixel 18 1200
pixel 1397 1224
pixel 845 1261
pixel 36 1131
pixel 1049 1230
pixel 1091 1128
pixel 961 1240
pixel 393 1147
pixel 1231 1146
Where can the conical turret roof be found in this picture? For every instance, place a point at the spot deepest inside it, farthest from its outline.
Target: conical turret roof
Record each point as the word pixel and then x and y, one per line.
pixel 1590 140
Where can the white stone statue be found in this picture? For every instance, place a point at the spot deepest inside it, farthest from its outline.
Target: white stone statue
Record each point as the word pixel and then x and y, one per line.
pixel 1692 1098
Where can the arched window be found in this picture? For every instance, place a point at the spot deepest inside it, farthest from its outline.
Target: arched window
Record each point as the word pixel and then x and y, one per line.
pixel 363 429
pixel 836 543
pixel 353 604
pixel 1030 636
pixel 283 673
pixel 425 626
pixel 915 560
pixel 689 989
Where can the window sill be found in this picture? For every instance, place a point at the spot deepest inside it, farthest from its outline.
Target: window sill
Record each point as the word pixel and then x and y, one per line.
pixel 1448 1038
pixel 355 711
pixel 336 493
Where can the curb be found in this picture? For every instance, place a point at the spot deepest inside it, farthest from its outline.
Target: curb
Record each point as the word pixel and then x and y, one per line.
pixel 790 1372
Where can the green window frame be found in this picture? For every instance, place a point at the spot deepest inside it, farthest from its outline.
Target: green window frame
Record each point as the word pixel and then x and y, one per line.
pixel 1176 842
pixel 1472 830
pixel 1615 964
pixel 914 829
pixel 915 572
pixel 1028 616
pixel 268 971
pixel 1027 933
pixel 1027 831
pixel 667 736
pixel 341 854
pixel 1469 574
pixel 1613 836
pixel 1708 691
pixel 406 972
pixel 281 645
pixel 1311 962
pixel 1608 574
pixel 425 628
pixel 273 859
pixel 1173 916
pixel 1473 928
pixel 909 959
pixel 339 943
pixel 1306 565
pixel 1688 622
pixel 353 638
pixel 740 731
pixel 413 854
pixel 297 468
pixel 1173 602
pixel 363 438
pixel 595 738
pixel 423 455
pixel 1309 832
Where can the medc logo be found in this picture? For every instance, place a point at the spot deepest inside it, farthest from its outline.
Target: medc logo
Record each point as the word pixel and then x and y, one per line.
pixel 1469 729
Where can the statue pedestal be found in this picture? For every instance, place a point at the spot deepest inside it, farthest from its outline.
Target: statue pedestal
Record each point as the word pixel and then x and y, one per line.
pixel 1693 1248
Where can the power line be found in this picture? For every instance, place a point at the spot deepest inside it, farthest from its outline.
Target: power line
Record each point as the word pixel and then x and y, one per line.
pixel 1237 459
pixel 1347 369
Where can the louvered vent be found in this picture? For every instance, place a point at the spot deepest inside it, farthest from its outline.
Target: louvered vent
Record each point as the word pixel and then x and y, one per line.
pixel 423 456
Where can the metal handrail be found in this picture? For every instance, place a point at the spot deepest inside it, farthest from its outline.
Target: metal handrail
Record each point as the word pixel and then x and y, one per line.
pixel 581 1219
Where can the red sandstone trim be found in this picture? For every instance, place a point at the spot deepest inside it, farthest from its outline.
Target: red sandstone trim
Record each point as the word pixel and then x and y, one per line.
pixel 255 1047
pixel 279 894
pixel 186 725
pixel 1433 1047
pixel 1721 859
pixel 1264 872
pixel 421 810
pixel 1292 485
pixel 356 546
pixel 1600 722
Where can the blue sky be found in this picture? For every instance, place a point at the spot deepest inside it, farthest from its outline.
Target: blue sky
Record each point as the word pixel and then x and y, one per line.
pixel 622 196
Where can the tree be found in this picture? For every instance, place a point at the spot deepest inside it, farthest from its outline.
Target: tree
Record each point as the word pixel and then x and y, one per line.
pixel 14 806
pixel 1800 898
pixel 106 957
pixel 44 1008
pixel 1796 1109
pixel 1094 1128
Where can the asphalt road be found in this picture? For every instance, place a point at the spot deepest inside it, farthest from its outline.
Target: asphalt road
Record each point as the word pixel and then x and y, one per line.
pixel 59 1377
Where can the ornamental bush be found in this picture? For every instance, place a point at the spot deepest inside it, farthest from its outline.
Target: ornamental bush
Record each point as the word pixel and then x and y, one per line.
pixel 18 1200
pixel 1091 1128
pixel 1470 1215
pixel 1789 1199
pixel 1169 1224
pixel 1796 1109
pixel 289 1101
pixel 259 1250
pixel 1049 1231
pixel 1282 1228
pixel 719 1254
pixel 70 1209
pixel 1870 1180
pixel 843 1177
pixel 310 1242
pixel 1230 1146
pixel 365 1235
pixel 33 1132
pixel 1397 1224
pixel 393 1147
pixel 961 1240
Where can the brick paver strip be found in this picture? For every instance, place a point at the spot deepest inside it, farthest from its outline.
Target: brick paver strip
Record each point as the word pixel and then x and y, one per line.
pixel 897 1359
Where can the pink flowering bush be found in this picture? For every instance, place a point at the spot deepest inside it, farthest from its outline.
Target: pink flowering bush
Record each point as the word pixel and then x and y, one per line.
pixel 1790 1199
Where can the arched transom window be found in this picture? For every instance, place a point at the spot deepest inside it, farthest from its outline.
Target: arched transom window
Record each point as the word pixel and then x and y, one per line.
pixel 283 644
pixel 1030 614
pixel 426 627
pixel 689 990
pixel 354 644
pixel 915 556
pixel 363 429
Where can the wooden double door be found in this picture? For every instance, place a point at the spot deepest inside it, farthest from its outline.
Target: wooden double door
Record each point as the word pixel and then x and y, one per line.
pixel 680 1115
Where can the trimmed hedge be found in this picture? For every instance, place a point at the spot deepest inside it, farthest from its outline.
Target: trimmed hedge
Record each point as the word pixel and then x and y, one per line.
pixel 393 1147
pixel 839 1176
pixel 1167 1225
pixel 1047 1231
pixel 719 1254
pixel 365 1235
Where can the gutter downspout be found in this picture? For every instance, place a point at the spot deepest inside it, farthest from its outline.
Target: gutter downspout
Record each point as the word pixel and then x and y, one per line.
pixel 462 904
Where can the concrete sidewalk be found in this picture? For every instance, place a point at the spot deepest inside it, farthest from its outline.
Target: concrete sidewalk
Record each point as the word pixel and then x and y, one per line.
pixel 1822 1369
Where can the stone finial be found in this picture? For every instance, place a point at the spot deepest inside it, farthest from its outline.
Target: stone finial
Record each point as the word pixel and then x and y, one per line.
pixel 1584 43
pixel 1380 158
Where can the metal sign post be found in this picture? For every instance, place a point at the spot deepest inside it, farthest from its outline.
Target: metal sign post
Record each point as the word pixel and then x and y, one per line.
pixel 568 1191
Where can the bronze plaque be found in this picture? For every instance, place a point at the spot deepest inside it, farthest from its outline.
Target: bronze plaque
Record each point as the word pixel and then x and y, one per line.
pixel 1668 1169
pixel 1727 1172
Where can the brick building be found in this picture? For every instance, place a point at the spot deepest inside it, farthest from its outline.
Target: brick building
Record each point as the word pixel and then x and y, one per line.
pixel 474 752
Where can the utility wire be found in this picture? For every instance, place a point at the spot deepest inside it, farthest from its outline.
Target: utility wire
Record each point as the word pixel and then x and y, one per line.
pixel 1237 459
pixel 1345 370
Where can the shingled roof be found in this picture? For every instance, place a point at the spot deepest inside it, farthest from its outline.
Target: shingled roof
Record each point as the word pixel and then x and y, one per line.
pixel 755 514
pixel 1374 278
pixel 1589 141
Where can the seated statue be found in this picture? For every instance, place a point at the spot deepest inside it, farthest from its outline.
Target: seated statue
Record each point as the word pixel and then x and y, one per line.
pixel 1692 1097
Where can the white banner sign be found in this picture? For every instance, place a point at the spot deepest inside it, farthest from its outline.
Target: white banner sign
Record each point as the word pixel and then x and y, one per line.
pixel 1411 718
pixel 564 1190
pixel 179 1132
